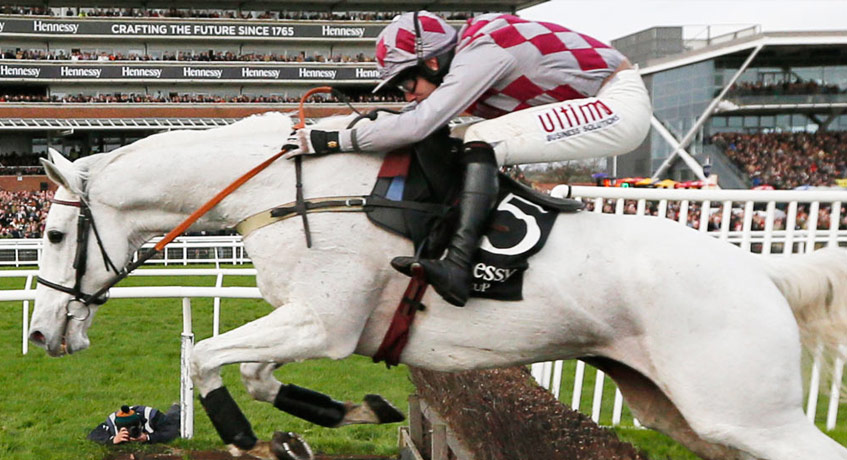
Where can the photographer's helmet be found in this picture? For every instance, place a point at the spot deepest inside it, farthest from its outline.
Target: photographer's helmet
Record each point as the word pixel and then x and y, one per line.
pixel 409 41
pixel 127 417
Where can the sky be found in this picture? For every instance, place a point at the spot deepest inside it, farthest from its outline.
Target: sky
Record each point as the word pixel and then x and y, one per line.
pixel 607 20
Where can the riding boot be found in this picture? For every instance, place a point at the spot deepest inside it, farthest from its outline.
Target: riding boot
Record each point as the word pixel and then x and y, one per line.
pixel 451 275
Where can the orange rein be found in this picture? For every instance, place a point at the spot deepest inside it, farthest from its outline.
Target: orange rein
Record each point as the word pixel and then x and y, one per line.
pixel 181 228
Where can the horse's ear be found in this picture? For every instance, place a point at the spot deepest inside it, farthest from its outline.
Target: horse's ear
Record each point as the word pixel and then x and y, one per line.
pixel 61 171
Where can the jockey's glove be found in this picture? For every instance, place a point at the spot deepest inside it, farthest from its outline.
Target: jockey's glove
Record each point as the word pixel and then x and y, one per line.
pixel 307 141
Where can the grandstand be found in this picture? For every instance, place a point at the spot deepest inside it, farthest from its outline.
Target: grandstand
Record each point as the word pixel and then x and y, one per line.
pixel 87 77
pixel 709 93
pixel 759 109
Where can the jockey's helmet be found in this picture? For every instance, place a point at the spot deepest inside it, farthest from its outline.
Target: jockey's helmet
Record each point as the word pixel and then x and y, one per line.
pixel 409 41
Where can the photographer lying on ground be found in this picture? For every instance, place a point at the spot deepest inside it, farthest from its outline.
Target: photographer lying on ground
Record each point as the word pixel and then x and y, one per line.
pixel 138 424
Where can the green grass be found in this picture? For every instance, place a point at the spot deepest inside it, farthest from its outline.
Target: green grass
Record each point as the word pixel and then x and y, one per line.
pixel 48 405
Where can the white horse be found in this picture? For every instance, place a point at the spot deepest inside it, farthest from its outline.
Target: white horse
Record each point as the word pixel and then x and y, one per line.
pixel 701 337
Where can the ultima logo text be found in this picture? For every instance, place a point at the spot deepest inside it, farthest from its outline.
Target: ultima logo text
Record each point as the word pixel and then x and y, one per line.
pixel 572 119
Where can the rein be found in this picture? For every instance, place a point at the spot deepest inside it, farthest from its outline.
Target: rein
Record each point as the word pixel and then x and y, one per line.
pixel 86 220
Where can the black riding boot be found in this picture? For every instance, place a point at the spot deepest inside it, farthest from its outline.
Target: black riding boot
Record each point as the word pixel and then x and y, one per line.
pixel 451 276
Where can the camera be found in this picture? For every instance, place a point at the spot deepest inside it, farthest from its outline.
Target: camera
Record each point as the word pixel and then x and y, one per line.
pixel 131 421
pixel 135 428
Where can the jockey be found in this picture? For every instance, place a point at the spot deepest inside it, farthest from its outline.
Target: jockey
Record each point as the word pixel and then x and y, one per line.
pixel 549 94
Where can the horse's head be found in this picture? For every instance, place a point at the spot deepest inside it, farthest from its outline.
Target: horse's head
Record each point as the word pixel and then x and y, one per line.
pixel 74 262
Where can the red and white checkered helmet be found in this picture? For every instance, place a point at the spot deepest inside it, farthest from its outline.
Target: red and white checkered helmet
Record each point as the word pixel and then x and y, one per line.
pixel 398 49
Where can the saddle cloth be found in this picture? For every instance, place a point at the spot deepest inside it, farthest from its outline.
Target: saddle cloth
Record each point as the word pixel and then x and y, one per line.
pixel 519 224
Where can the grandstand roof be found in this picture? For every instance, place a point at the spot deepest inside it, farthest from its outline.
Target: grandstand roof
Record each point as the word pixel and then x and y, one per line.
pixel 297 5
pixel 778 49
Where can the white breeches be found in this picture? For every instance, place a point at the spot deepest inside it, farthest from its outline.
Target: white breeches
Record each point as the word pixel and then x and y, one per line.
pixel 612 123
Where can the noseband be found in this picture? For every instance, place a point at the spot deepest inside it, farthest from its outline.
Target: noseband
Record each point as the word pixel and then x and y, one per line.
pixel 85 226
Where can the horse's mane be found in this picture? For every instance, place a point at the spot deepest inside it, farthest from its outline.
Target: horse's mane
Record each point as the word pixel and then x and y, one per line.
pixel 274 123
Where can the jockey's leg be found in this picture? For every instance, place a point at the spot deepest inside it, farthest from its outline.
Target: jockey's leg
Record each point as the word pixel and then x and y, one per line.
pixel 311 405
pixel 451 276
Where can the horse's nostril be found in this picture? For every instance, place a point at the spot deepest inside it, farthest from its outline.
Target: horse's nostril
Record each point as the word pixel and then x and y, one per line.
pixel 37 337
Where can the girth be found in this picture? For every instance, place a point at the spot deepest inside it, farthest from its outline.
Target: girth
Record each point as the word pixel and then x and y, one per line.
pixel 356 203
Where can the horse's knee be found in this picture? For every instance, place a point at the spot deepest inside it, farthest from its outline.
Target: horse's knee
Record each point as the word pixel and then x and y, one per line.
pixel 259 380
pixel 205 374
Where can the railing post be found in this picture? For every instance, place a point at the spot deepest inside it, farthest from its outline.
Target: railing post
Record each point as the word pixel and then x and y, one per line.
pixel 186 386
pixel 599 379
pixel 25 328
pixel 835 389
pixel 617 408
pixel 705 214
pixel 216 315
pixel 814 385
pixel 579 374
pixel 557 377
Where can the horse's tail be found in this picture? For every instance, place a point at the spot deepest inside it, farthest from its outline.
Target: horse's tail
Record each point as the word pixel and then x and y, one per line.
pixel 815 286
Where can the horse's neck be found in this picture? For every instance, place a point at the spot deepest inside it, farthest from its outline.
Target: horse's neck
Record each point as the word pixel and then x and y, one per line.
pixel 159 188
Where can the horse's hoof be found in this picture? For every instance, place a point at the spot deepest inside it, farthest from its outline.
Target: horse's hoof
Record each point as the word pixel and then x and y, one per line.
pixel 384 410
pixel 262 450
pixel 290 446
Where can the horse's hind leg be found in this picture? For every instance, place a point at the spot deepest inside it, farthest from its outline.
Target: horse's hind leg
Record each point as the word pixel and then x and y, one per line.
pixel 310 405
pixel 794 439
pixel 654 410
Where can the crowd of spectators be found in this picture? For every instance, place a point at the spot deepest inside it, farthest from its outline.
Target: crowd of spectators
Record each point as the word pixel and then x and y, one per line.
pixel 22 214
pixel 20 163
pixel 797 87
pixel 217 56
pixel 217 13
pixel 788 160
pixel 736 216
pixel 174 98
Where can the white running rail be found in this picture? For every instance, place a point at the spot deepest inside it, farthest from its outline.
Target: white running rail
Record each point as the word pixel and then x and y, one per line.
pixel 182 251
pixel 186 399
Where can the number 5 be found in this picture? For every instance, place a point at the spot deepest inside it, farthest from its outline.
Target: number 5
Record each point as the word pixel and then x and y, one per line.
pixel 533 231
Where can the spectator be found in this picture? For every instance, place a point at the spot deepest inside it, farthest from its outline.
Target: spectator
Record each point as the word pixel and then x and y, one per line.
pixel 138 424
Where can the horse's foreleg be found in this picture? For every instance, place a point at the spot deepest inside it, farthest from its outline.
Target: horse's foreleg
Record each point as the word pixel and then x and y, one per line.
pixel 290 333
pixel 286 334
pixel 310 405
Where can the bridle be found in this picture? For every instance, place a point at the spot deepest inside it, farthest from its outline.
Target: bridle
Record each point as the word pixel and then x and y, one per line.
pixel 85 222
pixel 85 226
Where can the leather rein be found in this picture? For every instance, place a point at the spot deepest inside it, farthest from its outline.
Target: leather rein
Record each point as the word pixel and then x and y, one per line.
pixel 86 225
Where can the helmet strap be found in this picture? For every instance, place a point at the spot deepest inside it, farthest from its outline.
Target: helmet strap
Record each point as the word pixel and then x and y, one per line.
pixel 444 59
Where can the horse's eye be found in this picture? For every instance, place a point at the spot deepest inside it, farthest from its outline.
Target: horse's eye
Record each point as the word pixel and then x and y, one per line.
pixel 55 236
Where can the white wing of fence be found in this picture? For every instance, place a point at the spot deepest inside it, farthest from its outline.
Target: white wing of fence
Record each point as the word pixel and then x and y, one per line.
pixel 178 292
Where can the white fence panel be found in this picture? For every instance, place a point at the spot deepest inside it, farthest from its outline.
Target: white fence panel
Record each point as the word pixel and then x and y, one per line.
pixel 186 399
pixel 182 251
pixel 780 223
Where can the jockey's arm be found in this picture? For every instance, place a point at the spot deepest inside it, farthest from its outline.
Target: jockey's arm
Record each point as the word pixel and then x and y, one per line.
pixel 474 70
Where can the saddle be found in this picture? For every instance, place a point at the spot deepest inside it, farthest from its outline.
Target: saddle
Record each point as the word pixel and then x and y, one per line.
pixel 428 173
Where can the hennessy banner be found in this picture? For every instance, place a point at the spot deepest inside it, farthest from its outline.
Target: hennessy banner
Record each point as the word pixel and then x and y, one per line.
pixel 113 27
pixel 147 72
